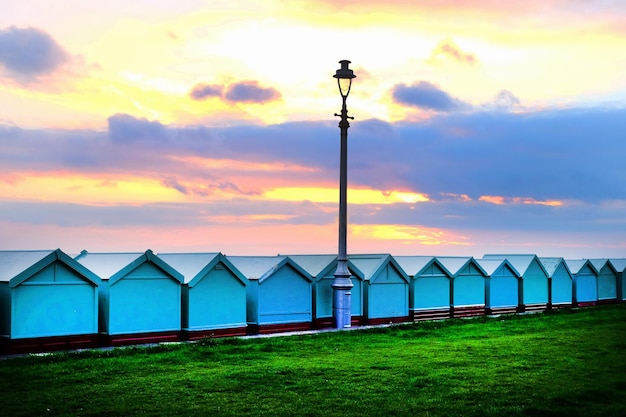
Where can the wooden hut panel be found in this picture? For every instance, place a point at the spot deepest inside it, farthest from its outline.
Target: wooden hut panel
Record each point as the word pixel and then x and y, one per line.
pixel 431 292
pixel 212 302
pixel 142 304
pixel 535 284
pixel 285 298
pixel 586 286
pixel 388 295
pixel 65 307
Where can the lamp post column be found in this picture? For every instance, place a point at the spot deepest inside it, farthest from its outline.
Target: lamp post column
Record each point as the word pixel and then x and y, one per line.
pixel 342 285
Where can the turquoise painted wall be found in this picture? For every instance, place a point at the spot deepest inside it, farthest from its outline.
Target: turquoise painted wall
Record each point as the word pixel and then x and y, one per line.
pixel 324 297
pixel 54 302
pixel 431 292
pixel 430 289
pixel 607 284
pixel 145 300
pixel 218 301
pixel 285 297
pixel 502 289
pixel 561 286
pixel 388 294
pixel 535 285
pixel 468 287
pixel 586 285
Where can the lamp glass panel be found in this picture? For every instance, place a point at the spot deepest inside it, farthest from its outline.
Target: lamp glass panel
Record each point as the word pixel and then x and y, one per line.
pixel 344 86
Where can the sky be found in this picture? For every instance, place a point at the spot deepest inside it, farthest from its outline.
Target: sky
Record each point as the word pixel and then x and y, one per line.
pixel 480 126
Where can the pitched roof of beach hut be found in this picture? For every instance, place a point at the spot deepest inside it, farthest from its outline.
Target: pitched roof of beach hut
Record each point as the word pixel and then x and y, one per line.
pixel 618 263
pixel 194 266
pixel 551 265
pixel 320 266
pixel 456 264
pixel 416 265
pixel 601 263
pixel 490 266
pixel 575 265
pixel 521 262
pixel 262 267
pixel 115 266
pixel 17 266
pixel 372 264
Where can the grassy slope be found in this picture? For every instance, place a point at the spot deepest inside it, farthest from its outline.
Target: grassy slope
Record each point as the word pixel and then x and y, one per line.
pixel 560 364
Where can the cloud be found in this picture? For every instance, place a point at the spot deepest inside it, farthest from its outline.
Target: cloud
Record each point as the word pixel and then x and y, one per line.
pixel 550 155
pixel 504 100
pixel 426 96
pixel 240 92
pixel 203 91
pixel 250 92
pixel 126 128
pixel 448 50
pixel 29 53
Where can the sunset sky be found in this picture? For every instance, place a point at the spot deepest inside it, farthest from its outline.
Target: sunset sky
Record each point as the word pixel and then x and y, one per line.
pixel 481 126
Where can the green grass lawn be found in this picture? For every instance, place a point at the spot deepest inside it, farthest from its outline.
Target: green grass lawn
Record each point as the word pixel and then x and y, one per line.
pixel 569 363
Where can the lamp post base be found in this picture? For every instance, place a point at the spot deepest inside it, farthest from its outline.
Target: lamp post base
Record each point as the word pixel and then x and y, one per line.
pixel 342 301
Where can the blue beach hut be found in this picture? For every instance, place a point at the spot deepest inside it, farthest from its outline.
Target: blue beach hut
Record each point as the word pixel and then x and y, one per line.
pixel 140 296
pixel 503 286
pixel 322 270
pixel 278 294
pixel 620 266
pixel 429 289
pixel 468 285
pixel 385 288
pixel 585 282
pixel 560 282
pixel 48 301
pixel 213 294
pixel 535 295
pixel 607 281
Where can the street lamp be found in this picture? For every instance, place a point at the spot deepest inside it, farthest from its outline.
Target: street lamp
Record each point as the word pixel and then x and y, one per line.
pixel 342 284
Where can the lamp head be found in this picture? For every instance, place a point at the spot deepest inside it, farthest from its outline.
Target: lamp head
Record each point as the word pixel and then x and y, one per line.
pixel 344 76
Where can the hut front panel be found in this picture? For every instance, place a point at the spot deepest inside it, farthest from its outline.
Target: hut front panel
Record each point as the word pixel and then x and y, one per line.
pixel 503 291
pixel 388 295
pixel 285 297
pixel 218 301
pixel 561 287
pixel 54 302
pixel 431 292
pixel 469 290
pixel 324 297
pixel 535 285
pixel 586 286
pixel 607 284
pixel 142 304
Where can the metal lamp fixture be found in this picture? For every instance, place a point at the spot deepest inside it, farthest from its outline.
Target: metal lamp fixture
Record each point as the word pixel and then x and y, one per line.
pixel 342 307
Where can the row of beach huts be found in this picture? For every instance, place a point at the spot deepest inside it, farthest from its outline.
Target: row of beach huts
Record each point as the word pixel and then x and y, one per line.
pixel 50 300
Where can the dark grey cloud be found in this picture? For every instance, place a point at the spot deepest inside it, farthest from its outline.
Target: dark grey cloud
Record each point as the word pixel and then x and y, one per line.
pixel 28 53
pixel 426 96
pixel 203 91
pixel 571 155
pixel 171 182
pixel 239 92
pixel 250 92
pixel 564 154
pixel 126 128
